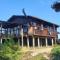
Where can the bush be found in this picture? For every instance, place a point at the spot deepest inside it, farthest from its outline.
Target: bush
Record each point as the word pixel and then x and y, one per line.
pixel 55 54
pixel 9 51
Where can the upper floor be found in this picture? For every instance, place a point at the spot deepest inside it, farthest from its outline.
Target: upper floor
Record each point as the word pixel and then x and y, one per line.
pixel 18 25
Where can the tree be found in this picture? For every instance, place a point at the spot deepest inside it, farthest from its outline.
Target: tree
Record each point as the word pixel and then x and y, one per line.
pixel 56 6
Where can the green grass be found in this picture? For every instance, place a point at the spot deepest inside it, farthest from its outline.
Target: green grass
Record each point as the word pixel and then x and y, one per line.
pixel 38 57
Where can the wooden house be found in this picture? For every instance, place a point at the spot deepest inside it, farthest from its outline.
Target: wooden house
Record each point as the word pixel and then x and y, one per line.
pixel 29 31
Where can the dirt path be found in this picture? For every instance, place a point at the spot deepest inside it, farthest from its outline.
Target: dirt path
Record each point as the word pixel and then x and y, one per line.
pixel 45 51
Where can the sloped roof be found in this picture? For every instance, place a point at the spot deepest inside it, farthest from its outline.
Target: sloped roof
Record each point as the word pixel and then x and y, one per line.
pixel 23 19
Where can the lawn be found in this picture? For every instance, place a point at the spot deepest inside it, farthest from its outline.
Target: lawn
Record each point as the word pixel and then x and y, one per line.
pixel 38 57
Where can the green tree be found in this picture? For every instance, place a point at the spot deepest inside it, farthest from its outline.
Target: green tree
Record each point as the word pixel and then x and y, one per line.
pixel 9 50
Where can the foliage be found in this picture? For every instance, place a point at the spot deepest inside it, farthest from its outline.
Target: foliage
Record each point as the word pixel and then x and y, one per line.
pixel 55 54
pixel 9 50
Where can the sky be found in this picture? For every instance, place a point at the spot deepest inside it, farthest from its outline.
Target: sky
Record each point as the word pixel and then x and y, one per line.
pixel 38 8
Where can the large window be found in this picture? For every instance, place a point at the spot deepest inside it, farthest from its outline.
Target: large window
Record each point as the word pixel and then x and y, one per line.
pixel 25 28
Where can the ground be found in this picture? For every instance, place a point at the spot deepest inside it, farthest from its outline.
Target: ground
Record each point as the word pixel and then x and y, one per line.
pixel 31 53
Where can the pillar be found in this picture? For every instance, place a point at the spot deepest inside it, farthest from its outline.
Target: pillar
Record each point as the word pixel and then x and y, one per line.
pixel 33 41
pixel 1 40
pixel 22 35
pixel 1 34
pixel 22 41
pixel 52 41
pixel 46 42
pixel 41 42
pixel 38 42
pixel 28 41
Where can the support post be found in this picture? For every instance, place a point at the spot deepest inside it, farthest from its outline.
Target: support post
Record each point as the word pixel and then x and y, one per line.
pixel 38 42
pixel 28 41
pixel 33 42
pixel 41 42
pixel 1 40
pixel 1 34
pixel 22 35
pixel 52 41
pixel 18 41
pixel 46 42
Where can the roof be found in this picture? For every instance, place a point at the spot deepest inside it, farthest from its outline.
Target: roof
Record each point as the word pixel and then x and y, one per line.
pixel 23 19
pixel 6 24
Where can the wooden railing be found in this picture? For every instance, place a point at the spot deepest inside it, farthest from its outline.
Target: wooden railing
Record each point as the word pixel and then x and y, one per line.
pixel 53 34
pixel 39 32
pixel 43 32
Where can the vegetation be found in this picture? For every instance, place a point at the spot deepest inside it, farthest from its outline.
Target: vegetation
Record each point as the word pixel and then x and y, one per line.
pixel 9 50
pixel 55 54
pixel 38 57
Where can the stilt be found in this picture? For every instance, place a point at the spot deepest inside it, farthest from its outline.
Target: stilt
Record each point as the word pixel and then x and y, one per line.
pixel 22 41
pixel 55 41
pixel 22 35
pixel 46 42
pixel 1 40
pixel 52 41
pixel 33 42
pixel 1 34
pixel 28 41
pixel 38 42
pixel 41 42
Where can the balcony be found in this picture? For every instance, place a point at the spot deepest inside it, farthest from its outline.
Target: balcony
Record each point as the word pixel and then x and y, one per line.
pixel 53 34
pixel 40 32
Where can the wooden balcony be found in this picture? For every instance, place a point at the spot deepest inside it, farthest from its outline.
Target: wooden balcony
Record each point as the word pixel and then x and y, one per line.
pixel 43 32
pixel 53 34
pixel 33 31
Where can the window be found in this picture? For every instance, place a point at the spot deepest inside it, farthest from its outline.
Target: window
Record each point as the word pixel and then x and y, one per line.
pixel 41 26
pixel 25 28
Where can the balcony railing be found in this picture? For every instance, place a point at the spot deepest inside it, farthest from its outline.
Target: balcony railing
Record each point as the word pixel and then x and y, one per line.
pixel 43 32
pixel 40 32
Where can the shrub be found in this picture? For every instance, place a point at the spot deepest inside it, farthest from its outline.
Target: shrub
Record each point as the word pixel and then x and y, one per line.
pixel 55 54
pixel 9 51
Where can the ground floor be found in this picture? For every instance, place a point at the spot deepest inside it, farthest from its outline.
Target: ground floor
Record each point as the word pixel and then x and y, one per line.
pixel 34 41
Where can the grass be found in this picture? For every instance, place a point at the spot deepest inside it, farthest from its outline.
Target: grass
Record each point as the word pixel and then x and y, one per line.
pixel 38 57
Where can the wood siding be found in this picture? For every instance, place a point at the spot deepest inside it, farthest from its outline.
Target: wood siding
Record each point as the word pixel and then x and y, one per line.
pixel 44 32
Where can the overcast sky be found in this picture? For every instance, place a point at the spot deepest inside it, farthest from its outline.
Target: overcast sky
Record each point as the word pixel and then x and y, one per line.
pixel 38 8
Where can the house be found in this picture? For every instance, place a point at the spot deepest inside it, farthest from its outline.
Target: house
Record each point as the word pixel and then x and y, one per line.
pixel 29 31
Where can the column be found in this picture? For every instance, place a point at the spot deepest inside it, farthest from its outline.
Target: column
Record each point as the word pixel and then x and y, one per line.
pixel 1 40
pixel 22 41
pixel 33 41
pixel 1 34
pixel 22 35
pixel 38 42
pixel 41 42
pixel 28 41
pixel 52 41
pixel 46 42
